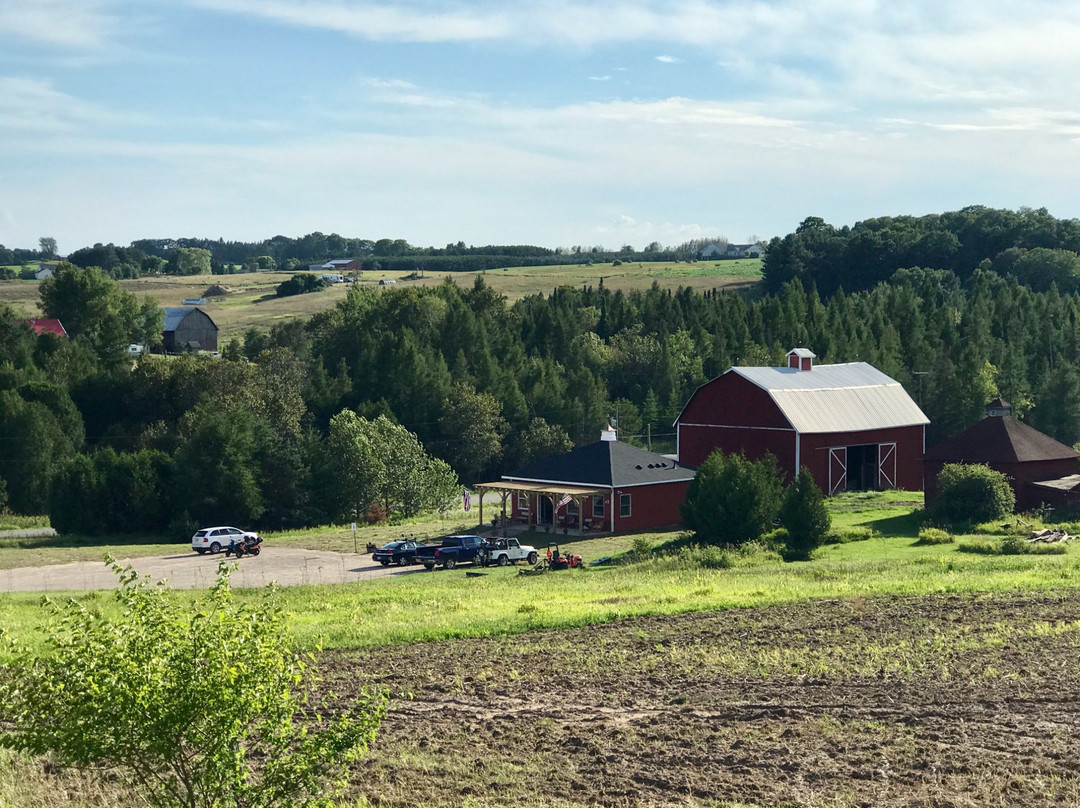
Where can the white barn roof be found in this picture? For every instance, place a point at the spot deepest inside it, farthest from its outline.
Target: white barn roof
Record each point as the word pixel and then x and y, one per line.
pixel 837 398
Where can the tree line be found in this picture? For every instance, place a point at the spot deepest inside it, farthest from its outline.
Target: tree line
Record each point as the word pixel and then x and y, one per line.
pixel 284 430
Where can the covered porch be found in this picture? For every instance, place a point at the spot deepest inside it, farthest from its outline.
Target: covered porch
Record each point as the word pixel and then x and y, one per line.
pixel 549 506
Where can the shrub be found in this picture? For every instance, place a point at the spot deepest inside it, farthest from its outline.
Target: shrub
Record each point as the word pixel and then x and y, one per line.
pixel 207 705
pixel 971 493
pixel 844 535
pixel 641 548
pixel 733 500
pixel 300 284
pixel 805 517
pixel 933 535
pixel 376 514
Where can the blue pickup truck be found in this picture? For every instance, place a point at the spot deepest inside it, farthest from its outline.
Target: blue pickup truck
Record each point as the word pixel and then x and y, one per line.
pixel 454 550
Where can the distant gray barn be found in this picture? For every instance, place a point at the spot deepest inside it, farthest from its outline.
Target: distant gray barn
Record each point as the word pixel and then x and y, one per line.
pixel 189 329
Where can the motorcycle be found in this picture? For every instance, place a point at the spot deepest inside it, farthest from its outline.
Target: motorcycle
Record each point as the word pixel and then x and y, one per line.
pixel 249 545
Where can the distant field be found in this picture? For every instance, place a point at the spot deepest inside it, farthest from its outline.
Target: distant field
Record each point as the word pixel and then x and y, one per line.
pixel 252 303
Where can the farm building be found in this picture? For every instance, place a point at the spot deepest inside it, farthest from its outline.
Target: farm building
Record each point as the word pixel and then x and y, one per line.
pixel 1039 468
pixel 852 426
pixel 47 325
pixel 607 486
pixel 189 329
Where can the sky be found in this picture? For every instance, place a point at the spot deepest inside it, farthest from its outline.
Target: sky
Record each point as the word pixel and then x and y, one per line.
pixel 548 122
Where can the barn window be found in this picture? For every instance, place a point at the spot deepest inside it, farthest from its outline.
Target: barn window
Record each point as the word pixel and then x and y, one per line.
pixel 598 507
pixel 624 505
pixel 523 502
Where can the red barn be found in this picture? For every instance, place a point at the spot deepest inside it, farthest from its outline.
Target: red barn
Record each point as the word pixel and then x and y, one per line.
pixel 607 486
pixel 855 428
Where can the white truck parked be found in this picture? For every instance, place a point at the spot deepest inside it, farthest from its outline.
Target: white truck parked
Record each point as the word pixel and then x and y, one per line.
pixel 510 551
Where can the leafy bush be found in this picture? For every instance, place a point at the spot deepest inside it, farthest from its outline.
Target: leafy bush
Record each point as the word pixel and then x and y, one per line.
pixel 971 493
pixel 844 535
pixel 300 284
pixel 933 535
pixel 207 705
pixel 642 547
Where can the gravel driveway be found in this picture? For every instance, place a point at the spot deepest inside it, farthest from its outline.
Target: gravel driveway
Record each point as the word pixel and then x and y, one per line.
pixel 286 565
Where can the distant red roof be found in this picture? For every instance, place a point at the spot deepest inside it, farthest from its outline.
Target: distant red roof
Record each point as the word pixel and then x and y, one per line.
pixel 47 326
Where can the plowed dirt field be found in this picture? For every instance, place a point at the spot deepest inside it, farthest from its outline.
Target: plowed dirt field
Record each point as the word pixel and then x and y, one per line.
pixel 939 701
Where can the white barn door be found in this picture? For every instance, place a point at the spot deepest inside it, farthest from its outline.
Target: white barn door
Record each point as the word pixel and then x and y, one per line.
pixel 837 469
pixel 886 466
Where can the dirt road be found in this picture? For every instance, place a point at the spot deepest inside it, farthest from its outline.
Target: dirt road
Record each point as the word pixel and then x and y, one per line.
pixel 285 565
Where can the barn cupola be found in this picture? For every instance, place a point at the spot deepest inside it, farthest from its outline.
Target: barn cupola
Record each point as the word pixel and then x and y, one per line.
pixel 608 433
pixel 999 408
pixel 801 358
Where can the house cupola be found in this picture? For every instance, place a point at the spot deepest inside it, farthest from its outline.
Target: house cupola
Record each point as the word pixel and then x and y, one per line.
pixel 608 433
pixel 999 408
pixel 801 358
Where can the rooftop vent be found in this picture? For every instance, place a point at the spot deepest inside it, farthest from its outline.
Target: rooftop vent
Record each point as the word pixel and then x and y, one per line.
pixel 801 358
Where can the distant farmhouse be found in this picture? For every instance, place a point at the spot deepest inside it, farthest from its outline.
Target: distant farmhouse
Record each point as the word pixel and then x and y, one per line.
pixel 189 329
pixel 337 265
pixel 46 270
pixel 722 249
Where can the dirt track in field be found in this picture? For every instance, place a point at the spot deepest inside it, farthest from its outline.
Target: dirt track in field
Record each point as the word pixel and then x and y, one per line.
pixel 944 701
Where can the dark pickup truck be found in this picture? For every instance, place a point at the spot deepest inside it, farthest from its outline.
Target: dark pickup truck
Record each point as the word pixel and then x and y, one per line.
pixel 452 551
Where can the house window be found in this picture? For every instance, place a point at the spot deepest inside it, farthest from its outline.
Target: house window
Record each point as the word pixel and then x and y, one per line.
pixel 523 503
pixel 624 505
pixel 571 508
pixel 598 507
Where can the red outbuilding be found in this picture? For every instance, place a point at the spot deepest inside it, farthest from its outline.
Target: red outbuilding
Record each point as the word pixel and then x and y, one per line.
pixel 852 426
pixel 607 486
pixel 1040 469
pixel 47 325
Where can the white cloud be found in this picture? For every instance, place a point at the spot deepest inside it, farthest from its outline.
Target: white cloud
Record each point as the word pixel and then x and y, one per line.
pixel 668 60
pixel 66 23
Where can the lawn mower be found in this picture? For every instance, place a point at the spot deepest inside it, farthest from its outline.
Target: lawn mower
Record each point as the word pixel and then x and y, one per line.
pixel 557 560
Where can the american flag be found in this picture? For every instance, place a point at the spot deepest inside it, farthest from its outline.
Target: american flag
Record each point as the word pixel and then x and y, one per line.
pixel 466 498
pixel 565 499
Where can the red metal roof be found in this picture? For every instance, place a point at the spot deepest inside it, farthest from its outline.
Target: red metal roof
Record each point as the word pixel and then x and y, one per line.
pixel 47 325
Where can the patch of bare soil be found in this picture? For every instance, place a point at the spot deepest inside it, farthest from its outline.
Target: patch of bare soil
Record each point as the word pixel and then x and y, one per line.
pixel 945 701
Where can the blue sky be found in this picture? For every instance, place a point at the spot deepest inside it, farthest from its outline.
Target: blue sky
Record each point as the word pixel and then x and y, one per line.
pixel 547 122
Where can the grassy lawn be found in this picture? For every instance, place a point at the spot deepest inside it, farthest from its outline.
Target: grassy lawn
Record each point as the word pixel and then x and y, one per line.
pixel 444 605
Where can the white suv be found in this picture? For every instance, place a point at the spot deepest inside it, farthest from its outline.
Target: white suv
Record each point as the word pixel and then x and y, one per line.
pixel 214 539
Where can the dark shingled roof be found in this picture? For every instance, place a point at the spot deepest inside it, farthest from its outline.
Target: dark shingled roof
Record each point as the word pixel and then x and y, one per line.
pixel 999 440
pixel 605 463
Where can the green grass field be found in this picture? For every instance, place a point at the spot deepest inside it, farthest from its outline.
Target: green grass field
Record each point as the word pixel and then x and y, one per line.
pixel 252 303
pixel 450 604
